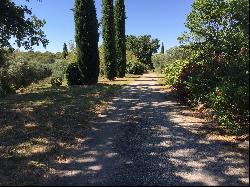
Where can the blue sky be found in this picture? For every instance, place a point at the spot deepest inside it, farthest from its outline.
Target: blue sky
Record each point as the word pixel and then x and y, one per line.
pixel 163 19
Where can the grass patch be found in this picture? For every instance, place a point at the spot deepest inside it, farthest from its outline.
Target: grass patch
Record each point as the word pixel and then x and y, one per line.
pixel 40 124
pixel 119 81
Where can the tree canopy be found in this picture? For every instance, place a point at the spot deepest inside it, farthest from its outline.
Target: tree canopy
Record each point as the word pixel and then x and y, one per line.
pixel 217 27
pixel 19 23
pixel 143 47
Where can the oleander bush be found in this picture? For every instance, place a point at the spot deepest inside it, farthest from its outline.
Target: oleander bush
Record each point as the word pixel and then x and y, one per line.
pixel 227 94
pixel 216 69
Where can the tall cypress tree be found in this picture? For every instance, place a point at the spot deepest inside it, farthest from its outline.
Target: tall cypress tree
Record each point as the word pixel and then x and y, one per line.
pixel 120 16
pixel 87 37
pixel 65 52
pixel 162 48
pixel 109 39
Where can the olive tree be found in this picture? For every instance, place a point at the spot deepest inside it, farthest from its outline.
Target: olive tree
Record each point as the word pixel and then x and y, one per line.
pixel 143 47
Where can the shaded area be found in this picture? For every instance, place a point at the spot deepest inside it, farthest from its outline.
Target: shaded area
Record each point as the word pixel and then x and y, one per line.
pixel 145 138
pixel 37 128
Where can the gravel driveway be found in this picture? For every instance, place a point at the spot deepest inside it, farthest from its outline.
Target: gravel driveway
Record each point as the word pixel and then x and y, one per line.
pixel 146 138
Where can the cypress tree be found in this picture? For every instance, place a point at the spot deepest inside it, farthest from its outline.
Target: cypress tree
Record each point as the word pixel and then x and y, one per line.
pixel 162 48
pixel 120 16
pixel 65 51
pixel 109 39
pixel 87 37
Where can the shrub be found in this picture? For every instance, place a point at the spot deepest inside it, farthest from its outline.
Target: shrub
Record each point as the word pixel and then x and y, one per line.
pixel 59 68
pixel 159 61
pixel 17 72
pixel 212 84
pixel 135 67
pixel 221 76
pixel 74 75
pixel 56 82
pixel 25 73
pixel 172 71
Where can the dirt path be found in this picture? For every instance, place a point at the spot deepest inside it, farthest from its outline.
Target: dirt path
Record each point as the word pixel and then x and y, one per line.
pixel 145 138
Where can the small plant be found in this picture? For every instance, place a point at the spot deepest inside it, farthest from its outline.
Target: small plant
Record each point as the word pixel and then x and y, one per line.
pixel 56 82
pixel 74 75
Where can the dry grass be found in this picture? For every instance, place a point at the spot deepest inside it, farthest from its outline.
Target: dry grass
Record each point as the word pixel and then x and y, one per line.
pixel 119 81
pixel 40 124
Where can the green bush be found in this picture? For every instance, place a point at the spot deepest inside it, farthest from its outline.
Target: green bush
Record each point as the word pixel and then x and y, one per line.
pixel 41 58
pixel 59 68
pixel 74 75
pixel 16 72
pixel 219 72
pixel 215 85
pixel 135 67
pixel 160 62
pixel 172 71
pixel 27 73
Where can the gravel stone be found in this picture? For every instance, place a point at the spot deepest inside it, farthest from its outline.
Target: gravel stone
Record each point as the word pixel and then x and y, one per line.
pixel 144 138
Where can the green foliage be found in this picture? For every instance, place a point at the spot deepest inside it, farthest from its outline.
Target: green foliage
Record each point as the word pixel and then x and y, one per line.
pixel 65 52
pixel 20 69
pixel 159 61
pixel 135 68
pixel 39 57
pixel 2 57
pixel 218 28
pixel 72 57
pixel 109 39
pixel 208 84
pixel 173 71
pixel 19 23
pixel 59 68
pixel 216 69
pixel 87 37
pixel 143 47
pixel 56 82
pixel 120 16
pixel 130 56
pixel 27 73
pixel 19 72
pixel 102 64
pixel 74 75
pixel 232 108
pixel 173 54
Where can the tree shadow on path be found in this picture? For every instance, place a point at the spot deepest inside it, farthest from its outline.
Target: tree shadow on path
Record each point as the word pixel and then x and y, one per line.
pixel 143 138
